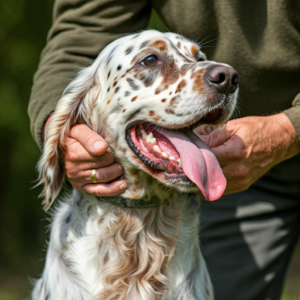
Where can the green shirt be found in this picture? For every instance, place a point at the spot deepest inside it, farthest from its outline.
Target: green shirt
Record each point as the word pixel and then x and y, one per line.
pixel 259 38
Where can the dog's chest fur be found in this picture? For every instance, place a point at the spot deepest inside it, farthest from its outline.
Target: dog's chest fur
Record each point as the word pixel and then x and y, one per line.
pixel 103 249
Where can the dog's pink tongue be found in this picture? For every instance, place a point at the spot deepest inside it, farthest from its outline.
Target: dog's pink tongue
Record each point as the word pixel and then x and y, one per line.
pixel 198 163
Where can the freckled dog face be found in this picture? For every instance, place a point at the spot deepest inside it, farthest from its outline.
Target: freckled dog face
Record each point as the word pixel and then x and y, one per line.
pixel 162 77
pixel 156 82
pixel 144 94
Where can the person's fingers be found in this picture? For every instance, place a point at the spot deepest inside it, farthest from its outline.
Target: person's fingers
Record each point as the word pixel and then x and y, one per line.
pixel 204 129
pixel 234 189
pixel 105 174
pixel 216 137
pixel 80 174
pixel 76 153
pixel 80 178
pixel 232 150
pixel 102 161
pixel 89 139
pixel 106 189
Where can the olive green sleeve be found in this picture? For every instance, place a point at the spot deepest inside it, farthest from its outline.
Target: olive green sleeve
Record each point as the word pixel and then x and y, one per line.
pixel 80 30
pixel 293 114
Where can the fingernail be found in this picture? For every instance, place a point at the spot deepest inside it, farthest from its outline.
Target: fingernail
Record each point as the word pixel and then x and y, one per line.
pixel 123 186
pixel 97 146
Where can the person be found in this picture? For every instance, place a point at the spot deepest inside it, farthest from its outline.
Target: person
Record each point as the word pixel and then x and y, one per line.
pixel 249 234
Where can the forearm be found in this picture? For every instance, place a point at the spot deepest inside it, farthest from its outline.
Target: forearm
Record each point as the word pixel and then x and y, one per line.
pixel 81 29
pixel 286 139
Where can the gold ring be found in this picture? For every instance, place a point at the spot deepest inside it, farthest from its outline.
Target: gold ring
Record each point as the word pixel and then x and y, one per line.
pixel 94 178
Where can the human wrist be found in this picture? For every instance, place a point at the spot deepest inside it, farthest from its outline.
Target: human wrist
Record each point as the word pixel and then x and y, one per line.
pixel 286 136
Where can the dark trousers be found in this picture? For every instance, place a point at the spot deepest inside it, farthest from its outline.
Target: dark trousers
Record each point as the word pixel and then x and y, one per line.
pixel 248 238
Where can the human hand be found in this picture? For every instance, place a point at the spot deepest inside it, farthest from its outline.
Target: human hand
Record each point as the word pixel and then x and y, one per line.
pixel 86 150
pixel 247 148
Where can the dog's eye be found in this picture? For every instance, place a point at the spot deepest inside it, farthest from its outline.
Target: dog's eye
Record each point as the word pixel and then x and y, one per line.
pixel 151 60
pixel 200 57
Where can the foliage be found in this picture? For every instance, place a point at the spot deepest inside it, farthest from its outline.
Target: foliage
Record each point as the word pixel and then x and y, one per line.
pixel 23 30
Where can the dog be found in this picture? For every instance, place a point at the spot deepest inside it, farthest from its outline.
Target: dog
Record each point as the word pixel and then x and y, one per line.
pixel 145 93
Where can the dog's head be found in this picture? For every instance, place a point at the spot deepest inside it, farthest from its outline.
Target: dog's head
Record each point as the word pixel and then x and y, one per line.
pixel 145 93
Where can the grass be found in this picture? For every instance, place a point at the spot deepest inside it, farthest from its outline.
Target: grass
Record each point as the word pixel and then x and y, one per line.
pixel 9 295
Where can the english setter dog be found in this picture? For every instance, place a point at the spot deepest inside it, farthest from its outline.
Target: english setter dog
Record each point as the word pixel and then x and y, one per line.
pixel 145 93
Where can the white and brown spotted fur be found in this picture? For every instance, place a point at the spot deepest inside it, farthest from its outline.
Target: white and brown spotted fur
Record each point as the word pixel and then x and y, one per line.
pixel 98 251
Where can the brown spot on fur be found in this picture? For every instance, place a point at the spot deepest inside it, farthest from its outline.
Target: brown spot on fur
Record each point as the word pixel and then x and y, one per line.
pixel 194 51
pixel 124 110
pixel 151 113
pixel 184 69
pixel 148 78
pixel 160 45
pixel 134 98
pixel 198 85
pixel 169 111
pixel 158 91
pixel 157 118
pixel 115 83
pixel 108 101
pixel 170 93
pixel 179 45
pixel 170 74
pixel 173 101
pixel 180 86
pixel 163 100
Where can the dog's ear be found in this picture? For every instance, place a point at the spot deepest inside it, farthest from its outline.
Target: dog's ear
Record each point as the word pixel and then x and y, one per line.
pixel 75 107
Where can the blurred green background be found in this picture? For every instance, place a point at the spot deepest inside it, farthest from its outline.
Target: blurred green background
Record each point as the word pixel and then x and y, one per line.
pixel 23 225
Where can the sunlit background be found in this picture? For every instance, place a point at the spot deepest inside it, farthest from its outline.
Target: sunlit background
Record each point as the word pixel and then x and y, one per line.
pixel 23 223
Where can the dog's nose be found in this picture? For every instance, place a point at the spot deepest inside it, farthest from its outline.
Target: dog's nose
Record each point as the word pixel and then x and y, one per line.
pixel 224 79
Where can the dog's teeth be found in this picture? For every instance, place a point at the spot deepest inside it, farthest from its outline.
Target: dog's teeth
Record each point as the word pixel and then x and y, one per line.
pixel 144 134
pixel 171 158
pixel 156 149
pixel 153 140
pixel 149 137
pixel 164 155
pixel 179 162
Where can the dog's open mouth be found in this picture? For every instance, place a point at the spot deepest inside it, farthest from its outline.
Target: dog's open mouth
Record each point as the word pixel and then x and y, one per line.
pixel 179 154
